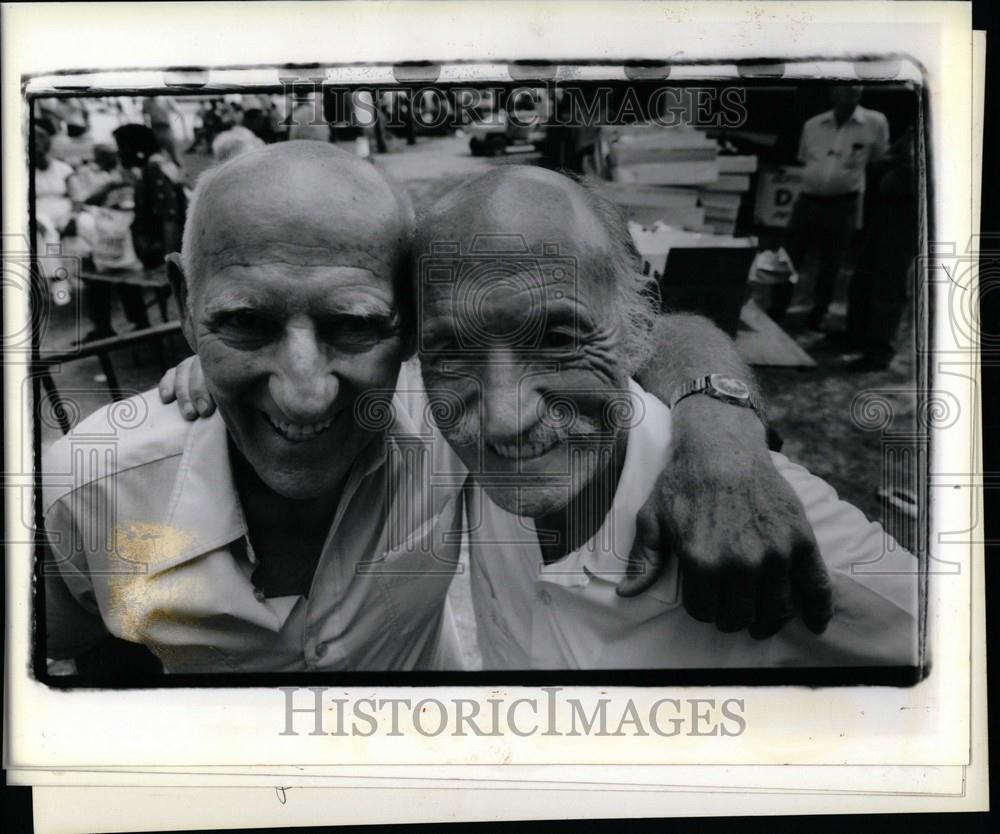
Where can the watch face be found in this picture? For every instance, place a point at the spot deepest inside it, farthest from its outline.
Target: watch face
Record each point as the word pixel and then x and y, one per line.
pixel 730 387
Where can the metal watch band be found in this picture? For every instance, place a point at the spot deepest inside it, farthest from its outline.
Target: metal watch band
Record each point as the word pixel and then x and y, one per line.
pixel 706 385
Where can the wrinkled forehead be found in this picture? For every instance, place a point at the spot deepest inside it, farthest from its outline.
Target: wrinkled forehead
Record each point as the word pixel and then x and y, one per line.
pixel 546 216
pixel 301 216
pixel 498 282
pixel 523 231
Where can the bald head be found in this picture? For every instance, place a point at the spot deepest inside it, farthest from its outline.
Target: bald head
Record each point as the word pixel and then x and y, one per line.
pixel 517 207
pixel 540 206
pixel 300 203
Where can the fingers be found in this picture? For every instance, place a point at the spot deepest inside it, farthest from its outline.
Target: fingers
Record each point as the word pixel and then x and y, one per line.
pixel 182 390
pixel 811 582
pixel 737 599
pixel 700 592
pixel 166 387
pixel 646 558
pixel 186 385
pixel 645 564
pixel 775 606
pixel 650 549
pixel 203 402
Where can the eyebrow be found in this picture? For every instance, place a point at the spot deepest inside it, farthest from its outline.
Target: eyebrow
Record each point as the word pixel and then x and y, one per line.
pixel 239 301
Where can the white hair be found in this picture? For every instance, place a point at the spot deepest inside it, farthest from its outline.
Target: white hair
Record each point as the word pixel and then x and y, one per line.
pixel 233 142
pixel 637 295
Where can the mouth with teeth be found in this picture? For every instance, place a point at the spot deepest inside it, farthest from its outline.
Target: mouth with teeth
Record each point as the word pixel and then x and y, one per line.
pixel 298 432
pixel 523 450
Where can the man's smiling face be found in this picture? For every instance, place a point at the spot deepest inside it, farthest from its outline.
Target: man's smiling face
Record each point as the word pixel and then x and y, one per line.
pixel 521 346
pixel 293 311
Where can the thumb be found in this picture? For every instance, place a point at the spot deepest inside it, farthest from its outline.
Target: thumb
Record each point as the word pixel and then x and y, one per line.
pixel 645 559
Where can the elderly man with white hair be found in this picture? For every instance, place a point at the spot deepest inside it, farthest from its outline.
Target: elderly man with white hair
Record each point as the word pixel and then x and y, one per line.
pixel 564 448
pixel 311 524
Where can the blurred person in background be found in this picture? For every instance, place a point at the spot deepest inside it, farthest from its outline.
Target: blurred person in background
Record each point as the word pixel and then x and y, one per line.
pixel 210 127
pixel 76 145
pixel 160 200
pixel 104 193
pixel 93 179
pixel 304 121
pixel 257 117
pixel 878 291
pixel 835 147
pixel 53 206
pixel 158 112
pixel 233 142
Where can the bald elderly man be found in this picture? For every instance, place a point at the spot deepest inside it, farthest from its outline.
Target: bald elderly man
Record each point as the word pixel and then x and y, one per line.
pixel 563 448
pixel 294 530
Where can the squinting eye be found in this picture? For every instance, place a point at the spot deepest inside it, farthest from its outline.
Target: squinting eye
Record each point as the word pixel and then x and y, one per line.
pixel 357 334
pixel 246 327
pixel 559 339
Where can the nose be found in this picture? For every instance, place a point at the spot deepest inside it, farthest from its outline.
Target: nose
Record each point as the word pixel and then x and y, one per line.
pixel 509 399
pixel 303 386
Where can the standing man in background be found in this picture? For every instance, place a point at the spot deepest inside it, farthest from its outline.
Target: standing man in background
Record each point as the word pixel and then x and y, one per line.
pixel 880 285
pixel 835 148
pixel 158 112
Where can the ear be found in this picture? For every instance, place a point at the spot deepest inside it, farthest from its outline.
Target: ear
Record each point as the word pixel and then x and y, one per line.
pixel 178 283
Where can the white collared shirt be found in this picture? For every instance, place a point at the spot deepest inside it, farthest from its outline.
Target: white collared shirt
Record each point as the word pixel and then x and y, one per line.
pixel 566 615
pixel 835 157
pixel 143 516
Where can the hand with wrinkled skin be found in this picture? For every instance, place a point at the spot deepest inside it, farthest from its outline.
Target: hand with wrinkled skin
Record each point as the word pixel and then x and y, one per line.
pixel 186 384
pixel 747 554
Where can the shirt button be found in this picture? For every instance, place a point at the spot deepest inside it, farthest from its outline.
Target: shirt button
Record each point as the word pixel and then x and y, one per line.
pixel 259 594
pixel 544 596
pixel 321 649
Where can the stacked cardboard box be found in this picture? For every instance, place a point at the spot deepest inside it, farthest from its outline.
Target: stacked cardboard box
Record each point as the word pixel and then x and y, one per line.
pixel 655 242
pixel 676 176
pixel 647 205
pixel 670 156
pixel 723 199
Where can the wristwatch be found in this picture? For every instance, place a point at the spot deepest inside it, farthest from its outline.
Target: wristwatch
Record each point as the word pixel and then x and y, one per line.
pixel 725 388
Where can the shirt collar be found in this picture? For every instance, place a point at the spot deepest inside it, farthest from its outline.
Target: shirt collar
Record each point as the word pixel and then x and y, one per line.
pixel 857 116
pixel 204 506
pixel 205 513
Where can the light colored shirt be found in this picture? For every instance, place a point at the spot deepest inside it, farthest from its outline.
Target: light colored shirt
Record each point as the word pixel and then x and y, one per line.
pixel 566 615
pixel 53 207
pixel 89 179
pixel 835 157
pixel 148 536
pixel 157 110
pixel 74 151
